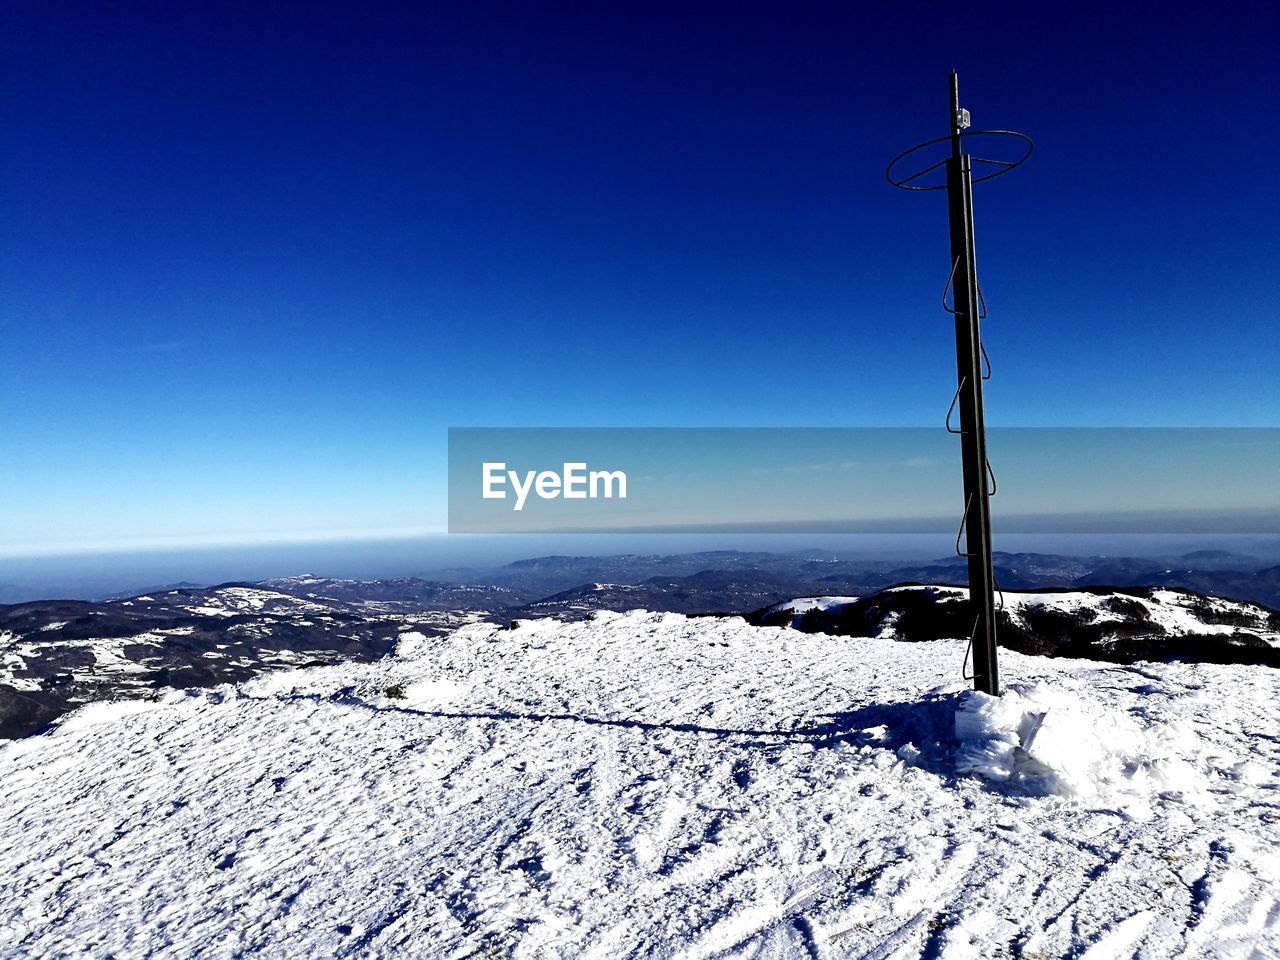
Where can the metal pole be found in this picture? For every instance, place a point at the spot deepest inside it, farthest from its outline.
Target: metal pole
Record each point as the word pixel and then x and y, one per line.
pixel 973 439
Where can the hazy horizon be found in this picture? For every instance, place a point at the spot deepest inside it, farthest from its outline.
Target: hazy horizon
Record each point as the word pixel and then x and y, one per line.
pixel 94 575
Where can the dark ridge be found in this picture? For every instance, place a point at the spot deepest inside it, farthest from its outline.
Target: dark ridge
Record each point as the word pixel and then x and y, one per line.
pixel 924 613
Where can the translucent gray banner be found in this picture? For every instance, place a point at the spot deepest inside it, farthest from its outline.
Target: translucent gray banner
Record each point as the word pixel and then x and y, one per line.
pixel 859 480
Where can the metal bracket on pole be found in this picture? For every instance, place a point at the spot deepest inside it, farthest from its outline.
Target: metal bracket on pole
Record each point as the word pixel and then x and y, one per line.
pixel 951 409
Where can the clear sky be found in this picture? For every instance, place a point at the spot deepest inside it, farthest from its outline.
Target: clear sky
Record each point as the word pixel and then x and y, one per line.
pixel 255 259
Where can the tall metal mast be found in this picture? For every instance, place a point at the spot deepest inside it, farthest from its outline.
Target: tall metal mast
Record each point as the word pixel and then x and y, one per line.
pixel 969 309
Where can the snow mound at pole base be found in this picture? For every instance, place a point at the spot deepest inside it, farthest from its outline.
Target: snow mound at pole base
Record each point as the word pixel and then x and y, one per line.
pixel 1043 740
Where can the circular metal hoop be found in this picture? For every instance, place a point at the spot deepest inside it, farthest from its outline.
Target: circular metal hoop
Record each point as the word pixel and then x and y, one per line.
pixel 1004 166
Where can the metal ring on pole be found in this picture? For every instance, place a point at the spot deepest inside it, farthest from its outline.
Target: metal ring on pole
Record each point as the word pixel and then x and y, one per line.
pixel 1004 166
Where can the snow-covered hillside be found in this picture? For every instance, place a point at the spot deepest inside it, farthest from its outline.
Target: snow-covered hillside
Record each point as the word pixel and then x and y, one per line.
pixel 1120 624
pixel 59 654
pixel 649 785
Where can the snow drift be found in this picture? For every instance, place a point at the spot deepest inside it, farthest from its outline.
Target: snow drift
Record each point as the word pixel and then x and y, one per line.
pixel 1044 740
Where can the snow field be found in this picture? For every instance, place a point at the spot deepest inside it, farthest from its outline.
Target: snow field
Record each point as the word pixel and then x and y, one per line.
pixel 648 785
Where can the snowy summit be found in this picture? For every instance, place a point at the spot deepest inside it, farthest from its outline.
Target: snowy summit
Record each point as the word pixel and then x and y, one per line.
pixel 650 785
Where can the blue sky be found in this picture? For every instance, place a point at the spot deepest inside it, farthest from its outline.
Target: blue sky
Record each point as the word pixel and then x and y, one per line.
pixel 255 262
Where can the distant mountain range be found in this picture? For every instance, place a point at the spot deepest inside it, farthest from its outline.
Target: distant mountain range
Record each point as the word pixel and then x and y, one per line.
pixel 57 654
pixel 715 581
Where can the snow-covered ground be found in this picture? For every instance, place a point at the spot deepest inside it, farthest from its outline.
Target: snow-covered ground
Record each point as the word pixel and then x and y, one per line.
pixel 649 785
